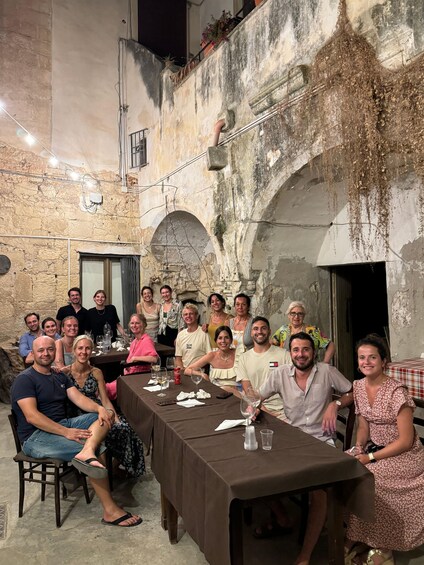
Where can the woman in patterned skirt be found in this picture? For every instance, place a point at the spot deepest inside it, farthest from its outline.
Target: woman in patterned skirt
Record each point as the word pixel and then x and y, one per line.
pixel 385 418
pixel 122 441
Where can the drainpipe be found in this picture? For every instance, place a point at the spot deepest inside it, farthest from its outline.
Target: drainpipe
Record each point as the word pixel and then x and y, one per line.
pixel 217 128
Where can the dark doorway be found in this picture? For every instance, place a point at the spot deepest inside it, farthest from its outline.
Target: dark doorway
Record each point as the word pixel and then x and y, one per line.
pixel 359 299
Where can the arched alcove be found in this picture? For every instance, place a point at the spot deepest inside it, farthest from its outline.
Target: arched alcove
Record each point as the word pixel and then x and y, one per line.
pixel 183 249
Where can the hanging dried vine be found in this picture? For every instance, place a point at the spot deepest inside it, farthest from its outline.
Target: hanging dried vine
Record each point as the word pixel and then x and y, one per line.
pixel 371 124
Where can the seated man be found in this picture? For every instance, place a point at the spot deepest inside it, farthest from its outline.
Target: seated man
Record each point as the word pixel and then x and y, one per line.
pixel 39 401
pixel 32 321
pixel 254 365
pixel 191 343
pixel 306 388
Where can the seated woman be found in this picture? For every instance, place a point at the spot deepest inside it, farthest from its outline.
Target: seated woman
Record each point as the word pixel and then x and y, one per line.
pixel 150 310
pixel 49 328
pixel 64 352
pixel 384 409
pixel 218 316
pixel 142 349
pixel 103 314
pixel 296 313
pixel 221 360
pixel 122 441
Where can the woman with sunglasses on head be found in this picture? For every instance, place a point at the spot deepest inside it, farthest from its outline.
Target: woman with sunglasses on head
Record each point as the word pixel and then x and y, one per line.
pixel 122 441
pixel 296 313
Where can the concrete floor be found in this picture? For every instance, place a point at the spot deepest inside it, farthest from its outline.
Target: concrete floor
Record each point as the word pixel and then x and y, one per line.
pixel 34 539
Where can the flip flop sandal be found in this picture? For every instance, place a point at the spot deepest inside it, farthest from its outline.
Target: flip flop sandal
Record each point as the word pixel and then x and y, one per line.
pixel 91 471
pixel 119 521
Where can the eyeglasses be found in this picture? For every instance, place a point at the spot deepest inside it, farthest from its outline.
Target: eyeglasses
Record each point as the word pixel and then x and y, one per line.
pixel 297 314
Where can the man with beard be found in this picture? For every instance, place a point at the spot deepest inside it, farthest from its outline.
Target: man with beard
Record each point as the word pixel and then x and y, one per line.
pixel 255 365
pixel 32 321
pixel 306 388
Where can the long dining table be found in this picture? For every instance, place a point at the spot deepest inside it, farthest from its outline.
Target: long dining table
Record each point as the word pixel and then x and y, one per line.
pixel 206 476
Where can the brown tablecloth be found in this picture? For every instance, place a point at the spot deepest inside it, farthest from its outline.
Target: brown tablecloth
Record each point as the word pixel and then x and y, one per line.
pixel 202 471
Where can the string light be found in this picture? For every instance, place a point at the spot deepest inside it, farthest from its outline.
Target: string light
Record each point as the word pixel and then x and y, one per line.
pixel 30 139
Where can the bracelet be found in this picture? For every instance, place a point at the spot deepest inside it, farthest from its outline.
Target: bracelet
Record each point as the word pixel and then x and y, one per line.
pixel 110 410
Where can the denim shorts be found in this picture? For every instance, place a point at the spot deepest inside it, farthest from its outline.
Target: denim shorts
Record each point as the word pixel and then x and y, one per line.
pixel 45 444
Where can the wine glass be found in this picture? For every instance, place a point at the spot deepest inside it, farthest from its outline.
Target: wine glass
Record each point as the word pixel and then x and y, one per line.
pixel 196 377
pixel 247 409
pixel 254 397
pixel 99 342
pixel 155 368
pixel 170 365
pixel 161 379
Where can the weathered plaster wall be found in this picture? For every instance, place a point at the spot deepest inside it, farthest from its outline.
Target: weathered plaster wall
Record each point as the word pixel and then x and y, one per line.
pixel 273 214
pixel 84 80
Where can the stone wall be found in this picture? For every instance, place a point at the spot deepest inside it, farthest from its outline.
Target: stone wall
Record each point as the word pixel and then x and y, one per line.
pixel 44 227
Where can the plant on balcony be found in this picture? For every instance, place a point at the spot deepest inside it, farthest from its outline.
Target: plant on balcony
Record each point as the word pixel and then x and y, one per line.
pixel 218 29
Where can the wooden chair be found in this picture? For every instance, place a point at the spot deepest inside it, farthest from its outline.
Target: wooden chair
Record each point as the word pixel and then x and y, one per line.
pixel 49 471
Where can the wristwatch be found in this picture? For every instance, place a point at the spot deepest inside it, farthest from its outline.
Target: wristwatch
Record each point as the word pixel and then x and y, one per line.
pixel 338 404
pixel 372 458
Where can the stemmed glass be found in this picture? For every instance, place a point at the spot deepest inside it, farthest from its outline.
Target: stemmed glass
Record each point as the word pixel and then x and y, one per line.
pixel 161 379
pixel 196 377
pixel 155 368
pixel 170 364
pixel 246 408
pixel 254 397
pixel 99 342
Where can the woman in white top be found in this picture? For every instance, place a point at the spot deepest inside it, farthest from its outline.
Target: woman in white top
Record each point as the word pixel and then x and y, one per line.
pixel 241 325
pixel 221 360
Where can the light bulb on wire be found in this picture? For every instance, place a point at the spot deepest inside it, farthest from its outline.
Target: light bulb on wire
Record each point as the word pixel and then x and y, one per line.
pixel 30 139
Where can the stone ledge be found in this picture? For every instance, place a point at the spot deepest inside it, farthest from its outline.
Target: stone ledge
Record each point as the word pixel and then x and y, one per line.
pixel 277 90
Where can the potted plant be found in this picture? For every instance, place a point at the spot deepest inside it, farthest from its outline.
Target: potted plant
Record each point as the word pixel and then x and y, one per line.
pixel 217 30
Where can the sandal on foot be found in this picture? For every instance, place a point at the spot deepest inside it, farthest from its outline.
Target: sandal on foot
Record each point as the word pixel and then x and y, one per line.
pixel 387 557
pixel 119 521
pixel 350 555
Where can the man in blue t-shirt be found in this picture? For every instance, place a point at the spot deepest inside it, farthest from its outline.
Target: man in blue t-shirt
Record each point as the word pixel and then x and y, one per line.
pixel 39 398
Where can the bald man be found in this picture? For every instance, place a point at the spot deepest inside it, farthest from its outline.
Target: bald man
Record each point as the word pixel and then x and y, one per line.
pixel 39 398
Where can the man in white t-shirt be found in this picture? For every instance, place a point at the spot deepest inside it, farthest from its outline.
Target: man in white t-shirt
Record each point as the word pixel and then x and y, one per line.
pixel 254 365
pixel 191 343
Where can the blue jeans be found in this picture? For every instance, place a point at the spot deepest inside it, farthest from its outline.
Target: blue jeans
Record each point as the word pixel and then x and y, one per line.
pixel 44 444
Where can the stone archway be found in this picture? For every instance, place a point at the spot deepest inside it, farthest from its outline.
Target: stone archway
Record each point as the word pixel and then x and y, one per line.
pixel 185 255
pixel 288 241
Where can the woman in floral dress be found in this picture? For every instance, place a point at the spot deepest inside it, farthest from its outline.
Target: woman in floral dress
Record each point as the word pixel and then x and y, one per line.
pixel 122 441
pixel 385 417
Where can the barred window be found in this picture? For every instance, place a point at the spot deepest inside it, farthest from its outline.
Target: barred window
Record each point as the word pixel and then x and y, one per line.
pixel 138 149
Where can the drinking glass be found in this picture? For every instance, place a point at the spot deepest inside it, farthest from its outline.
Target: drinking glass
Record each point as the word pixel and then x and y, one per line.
pixel 170 365
pixel 254 396
pixel 155 368
pixel 161 379
pixel 99 341
pixel 246 408
pixel 196 377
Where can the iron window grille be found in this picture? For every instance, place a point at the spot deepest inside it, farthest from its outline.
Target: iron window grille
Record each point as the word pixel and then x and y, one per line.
pixel 138 145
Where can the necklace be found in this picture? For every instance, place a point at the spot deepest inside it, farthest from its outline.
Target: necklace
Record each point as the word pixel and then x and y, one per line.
pixel 101 312
pixel 240 321
pixel 149 309
pixel 223 357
